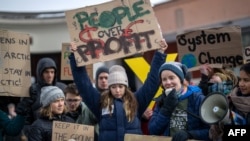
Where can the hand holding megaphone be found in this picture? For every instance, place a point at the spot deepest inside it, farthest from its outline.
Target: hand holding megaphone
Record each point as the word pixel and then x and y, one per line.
pixel 167 91
pixel 169 102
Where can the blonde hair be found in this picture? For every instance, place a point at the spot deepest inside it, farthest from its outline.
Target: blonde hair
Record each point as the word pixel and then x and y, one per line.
pixel 129 103
pixel 222 76
pixel 229 74
pixel 232 77
pixel 47 111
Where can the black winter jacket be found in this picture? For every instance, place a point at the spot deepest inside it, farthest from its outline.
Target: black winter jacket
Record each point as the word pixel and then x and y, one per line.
pixel 41 129
pixel 35 89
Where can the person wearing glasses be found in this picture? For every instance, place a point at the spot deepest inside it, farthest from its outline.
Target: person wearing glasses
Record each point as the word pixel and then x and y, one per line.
pixel 78 110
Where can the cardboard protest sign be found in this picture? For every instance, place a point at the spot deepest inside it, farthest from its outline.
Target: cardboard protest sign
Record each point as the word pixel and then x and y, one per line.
pixel 113 30
pixel 222 45
pixel 134 137
pixel 64 131
pixel 66 73
pixel 15 71
pixel 247 54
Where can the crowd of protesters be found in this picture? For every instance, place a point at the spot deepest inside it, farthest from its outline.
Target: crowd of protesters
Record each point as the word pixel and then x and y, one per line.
pixel 114 110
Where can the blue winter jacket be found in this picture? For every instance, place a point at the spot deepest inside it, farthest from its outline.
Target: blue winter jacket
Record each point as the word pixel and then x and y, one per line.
pixel 159 123
pixel 114 127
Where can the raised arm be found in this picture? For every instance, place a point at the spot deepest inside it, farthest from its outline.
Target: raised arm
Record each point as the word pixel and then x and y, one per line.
pixel 204 70
pixel 86 89
pixel 146 93
pixel 12 126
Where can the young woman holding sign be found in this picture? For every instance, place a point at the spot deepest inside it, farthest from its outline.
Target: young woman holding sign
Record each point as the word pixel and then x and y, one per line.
pixel 118 110
pixel 53 109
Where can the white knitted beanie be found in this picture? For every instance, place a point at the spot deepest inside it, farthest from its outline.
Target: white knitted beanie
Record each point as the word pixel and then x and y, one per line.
pixel 117 75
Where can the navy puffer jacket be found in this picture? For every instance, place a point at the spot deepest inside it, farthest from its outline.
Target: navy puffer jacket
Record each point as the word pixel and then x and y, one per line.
pixel 114 127
pixel 160 124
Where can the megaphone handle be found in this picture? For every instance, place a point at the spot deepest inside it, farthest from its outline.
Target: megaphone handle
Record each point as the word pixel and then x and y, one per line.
pixel 231 105
pixel 192 114
pixel 231 117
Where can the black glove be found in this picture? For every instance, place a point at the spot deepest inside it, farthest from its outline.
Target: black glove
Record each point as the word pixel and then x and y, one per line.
pixel 181 135
pixel 24 106
pixel 169 103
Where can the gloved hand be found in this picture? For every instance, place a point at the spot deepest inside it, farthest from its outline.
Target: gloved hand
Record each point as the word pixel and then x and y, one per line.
pixel 181 135
pixel 169 103
pixel 24 106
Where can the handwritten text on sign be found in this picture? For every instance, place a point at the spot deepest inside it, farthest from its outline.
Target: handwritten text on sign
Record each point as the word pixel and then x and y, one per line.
pixel 66 73
pixel 214 46
pixel 113 30
pixel 247 54
pixel 63 131
pixel 15 72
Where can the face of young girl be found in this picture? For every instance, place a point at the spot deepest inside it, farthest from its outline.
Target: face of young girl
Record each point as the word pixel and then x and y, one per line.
pixel 170 80
pixel 244 83
pixel 117 90
pixel 57 106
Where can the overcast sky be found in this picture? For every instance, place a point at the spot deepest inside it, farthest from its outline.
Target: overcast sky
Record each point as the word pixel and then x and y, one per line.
pixel 49 5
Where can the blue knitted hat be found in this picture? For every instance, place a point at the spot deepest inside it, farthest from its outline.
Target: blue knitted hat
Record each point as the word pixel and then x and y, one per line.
pixel 179 69
pixel 99 71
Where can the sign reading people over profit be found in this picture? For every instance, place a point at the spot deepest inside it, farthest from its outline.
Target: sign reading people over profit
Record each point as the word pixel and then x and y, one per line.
pixel 66 73
pixel 113 30
pixel 222 45
pixel 15 71
pixel 65 131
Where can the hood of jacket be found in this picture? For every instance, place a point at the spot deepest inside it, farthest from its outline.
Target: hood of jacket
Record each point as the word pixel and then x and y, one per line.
pixel 43 64
pixel 190 90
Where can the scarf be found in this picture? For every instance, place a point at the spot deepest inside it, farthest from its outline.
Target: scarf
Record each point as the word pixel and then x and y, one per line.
pixel 241 103
pixel 225 87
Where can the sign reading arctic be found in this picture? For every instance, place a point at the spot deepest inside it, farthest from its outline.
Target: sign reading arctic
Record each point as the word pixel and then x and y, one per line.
pixel 113 30
pixel 15 69
pixel 222 45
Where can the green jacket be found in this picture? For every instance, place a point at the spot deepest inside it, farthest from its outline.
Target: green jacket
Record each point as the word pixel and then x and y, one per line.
pixel 11 127
pixel 88 118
